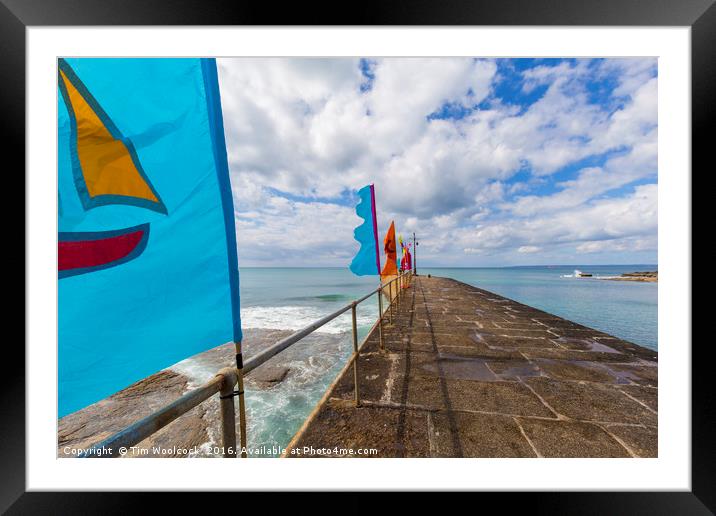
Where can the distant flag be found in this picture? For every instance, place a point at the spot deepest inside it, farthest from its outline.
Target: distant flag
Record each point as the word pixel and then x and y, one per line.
pixel 402 252
pixel 405 260
pixel 367 261
pixel 390 267
pixel 147 265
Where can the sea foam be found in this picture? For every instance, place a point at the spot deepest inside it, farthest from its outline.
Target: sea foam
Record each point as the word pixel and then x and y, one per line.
pixel 298 317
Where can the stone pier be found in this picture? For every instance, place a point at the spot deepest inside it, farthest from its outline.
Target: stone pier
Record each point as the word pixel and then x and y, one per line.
pixel 468 373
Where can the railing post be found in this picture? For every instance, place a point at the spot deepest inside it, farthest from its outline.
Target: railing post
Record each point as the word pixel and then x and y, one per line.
pixel 228 417
pixel 380 317
pixel 242 401
pixel 397 282
pixel 390 301
pixel 355 354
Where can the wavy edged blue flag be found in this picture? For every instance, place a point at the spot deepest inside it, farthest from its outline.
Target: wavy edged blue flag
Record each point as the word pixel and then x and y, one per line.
pixel 367 261
pixel 147 265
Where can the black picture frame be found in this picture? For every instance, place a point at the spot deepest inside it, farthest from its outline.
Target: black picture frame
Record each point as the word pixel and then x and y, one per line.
pixel 700 15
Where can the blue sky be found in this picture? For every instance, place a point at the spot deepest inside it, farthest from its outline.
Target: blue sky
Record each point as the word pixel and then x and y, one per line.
pixel 491 162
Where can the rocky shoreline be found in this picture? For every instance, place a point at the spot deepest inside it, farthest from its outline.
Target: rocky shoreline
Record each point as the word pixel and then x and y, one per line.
pixel 189 434
pixel 647 277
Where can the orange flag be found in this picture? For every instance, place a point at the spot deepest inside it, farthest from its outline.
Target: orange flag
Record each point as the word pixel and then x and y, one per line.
pixel 390 268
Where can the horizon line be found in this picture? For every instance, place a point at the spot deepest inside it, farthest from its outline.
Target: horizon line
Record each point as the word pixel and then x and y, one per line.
pixel 458 266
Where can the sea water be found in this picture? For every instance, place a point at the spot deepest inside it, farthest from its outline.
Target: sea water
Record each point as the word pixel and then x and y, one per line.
pixel 625 309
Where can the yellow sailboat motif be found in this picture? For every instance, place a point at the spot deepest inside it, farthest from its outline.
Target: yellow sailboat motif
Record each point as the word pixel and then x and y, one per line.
pixel 106 167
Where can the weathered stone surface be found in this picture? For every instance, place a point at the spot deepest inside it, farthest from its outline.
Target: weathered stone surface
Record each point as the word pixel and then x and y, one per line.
pixel 462 434
pixel 480 351
pixel 194 433
pixel 267 376
pixel 563 354
pixel 511 398
pixel 589 401
pixel 391 432
pixel 517 342
pixel 81 429
pixel 514 369
pixel 646 375
pixel 575 370
pixel 646 395
pixel 451 367
pixel 467 373
pixel 570 439
pixel 377 373
pixel 641 440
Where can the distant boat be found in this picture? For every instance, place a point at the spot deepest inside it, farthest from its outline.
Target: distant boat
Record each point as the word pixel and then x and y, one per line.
pixel 580 274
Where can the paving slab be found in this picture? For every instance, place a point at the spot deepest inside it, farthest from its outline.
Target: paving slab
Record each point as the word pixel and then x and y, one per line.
pixel 476 435
pixel 642 441
pixel 571 439
pixel 591 401
pixel 646 395
pixel 339 426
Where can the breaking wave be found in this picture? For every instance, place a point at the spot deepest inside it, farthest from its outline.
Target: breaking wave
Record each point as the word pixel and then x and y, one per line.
pixel 298 317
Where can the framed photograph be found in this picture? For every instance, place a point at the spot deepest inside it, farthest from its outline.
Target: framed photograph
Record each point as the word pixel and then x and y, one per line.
pixel 453 240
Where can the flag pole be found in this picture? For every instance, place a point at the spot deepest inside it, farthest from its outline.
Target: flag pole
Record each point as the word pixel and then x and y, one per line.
pixel 377 264
pixel 240 393
pixel 375 227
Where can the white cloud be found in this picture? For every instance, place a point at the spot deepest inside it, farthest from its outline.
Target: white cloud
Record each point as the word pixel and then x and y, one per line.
pixel 528 249
pixel 604 219
pixel 304 133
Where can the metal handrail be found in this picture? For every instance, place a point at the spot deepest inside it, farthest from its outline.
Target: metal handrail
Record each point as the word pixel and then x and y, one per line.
pixel 274 350
pixel 226 379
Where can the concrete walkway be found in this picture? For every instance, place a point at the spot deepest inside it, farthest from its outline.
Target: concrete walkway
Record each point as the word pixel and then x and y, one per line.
pixel 468 373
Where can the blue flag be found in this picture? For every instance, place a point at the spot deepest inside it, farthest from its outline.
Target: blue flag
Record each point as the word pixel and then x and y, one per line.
pixel 367 261
pixel 147 265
